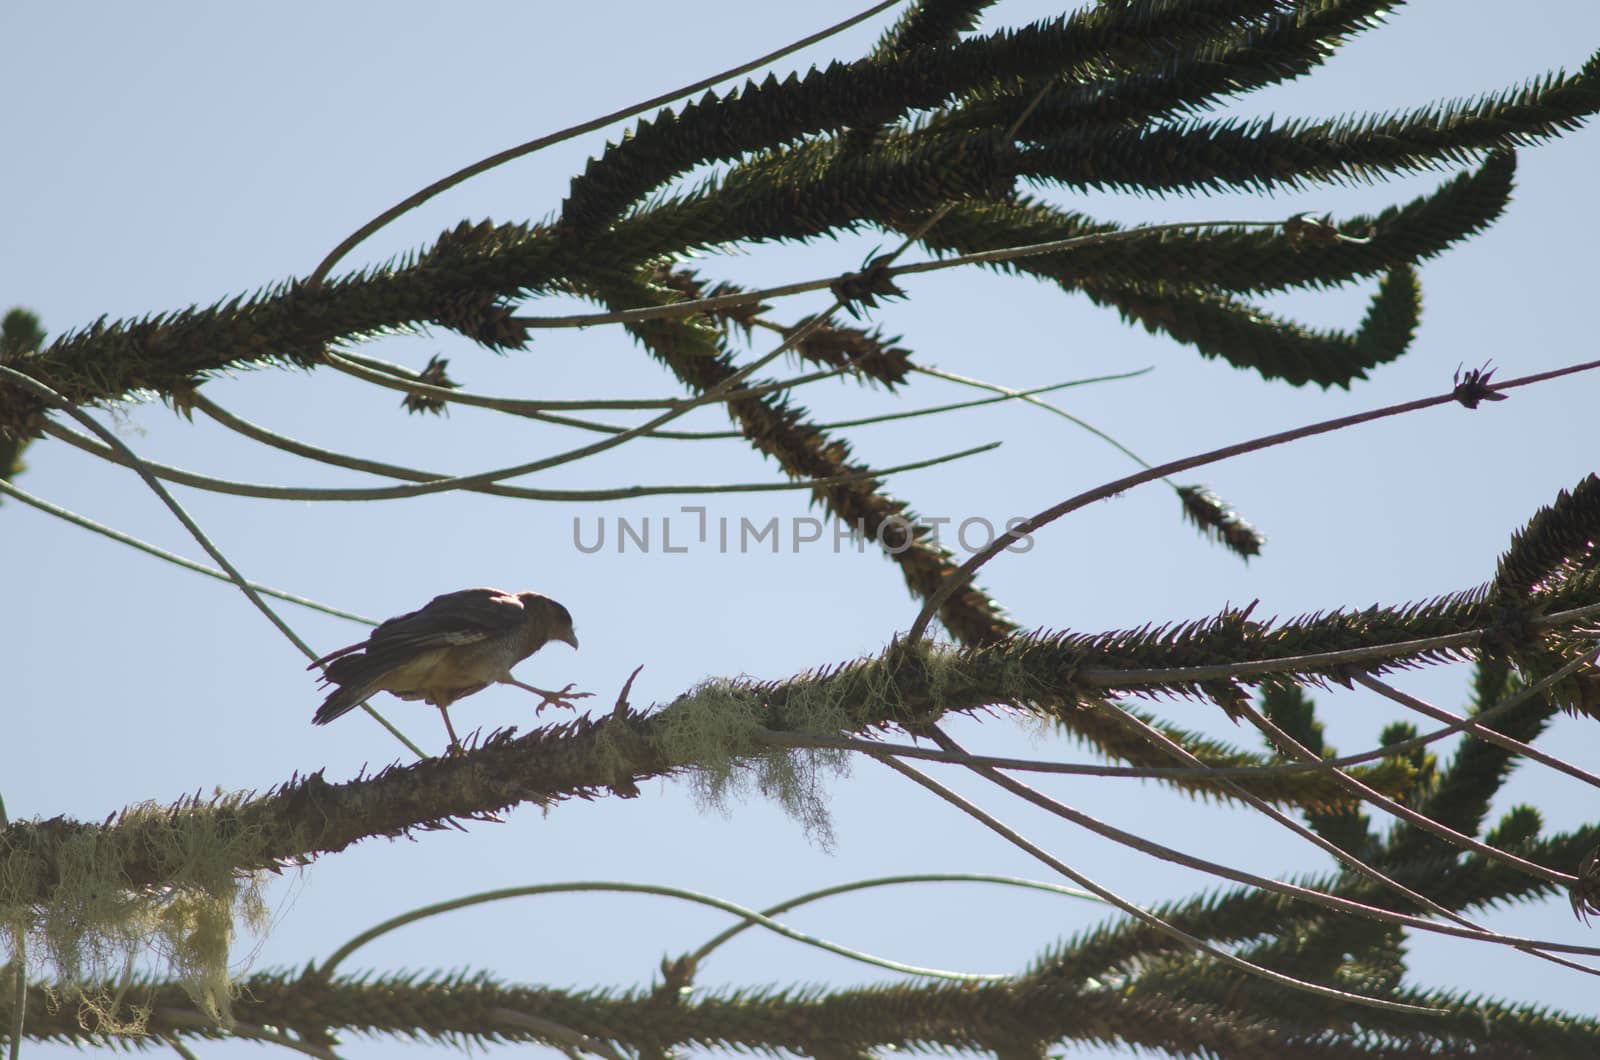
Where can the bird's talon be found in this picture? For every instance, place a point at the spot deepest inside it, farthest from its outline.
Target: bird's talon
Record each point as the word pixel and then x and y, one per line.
pixel 562 698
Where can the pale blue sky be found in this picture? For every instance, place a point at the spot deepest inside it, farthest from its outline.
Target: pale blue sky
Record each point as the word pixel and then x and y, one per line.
pixel 184 153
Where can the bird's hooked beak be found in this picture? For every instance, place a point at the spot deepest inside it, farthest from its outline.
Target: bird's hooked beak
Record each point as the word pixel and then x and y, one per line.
pixel 568 637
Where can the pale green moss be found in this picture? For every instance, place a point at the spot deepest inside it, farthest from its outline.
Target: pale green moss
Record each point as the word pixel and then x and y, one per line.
pixel 712 729
pixel 93 929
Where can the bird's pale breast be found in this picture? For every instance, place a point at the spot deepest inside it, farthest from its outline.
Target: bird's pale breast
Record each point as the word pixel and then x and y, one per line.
pixel 454 667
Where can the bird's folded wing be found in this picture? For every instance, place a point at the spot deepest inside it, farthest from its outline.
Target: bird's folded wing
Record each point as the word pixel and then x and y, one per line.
pixel 463 617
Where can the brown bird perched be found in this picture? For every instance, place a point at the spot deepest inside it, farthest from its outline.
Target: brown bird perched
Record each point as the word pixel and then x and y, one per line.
pixel 452 646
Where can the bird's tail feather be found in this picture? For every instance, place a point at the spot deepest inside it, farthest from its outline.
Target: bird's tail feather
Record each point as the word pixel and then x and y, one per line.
pixel 343 701
pixel 336 654
pixel 358 677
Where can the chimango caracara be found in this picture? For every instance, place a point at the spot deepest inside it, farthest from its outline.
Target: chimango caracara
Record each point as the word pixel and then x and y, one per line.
pixel 452 646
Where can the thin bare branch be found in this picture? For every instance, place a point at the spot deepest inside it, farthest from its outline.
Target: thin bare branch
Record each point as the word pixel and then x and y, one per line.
pixel 1028 398
pixel 392 376
pixel 1339 854
pixel 248 1030
pixel 749 916
pixel 388 379
pixel 1034 765
pixel 695 958
pixel 689 307
pixel 1288 745
pixel 133 461
pixel 481 482
pixel 417 198
pixel 964 574
pixel 559 1032
pixel 1471 725
pixel 831 425
pixel 1162 852
pixel 715 394
pixel 13 490
pixel 1143 915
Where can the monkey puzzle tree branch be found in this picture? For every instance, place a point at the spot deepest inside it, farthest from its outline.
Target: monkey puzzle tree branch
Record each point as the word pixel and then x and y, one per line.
pixel 307 816
pixel 1017 1017
pixel 714 727
pixel 835 182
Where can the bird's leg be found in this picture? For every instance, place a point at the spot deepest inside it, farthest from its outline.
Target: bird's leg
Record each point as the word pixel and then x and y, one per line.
pixel 455 744
pixel 562 698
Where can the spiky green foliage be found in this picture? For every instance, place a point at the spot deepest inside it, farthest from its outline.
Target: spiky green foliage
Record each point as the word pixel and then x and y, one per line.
pixel 1212 515
pixel 1233 260
pixel 1262 154
pixel 1550 560
pixel 1116 81
pixel 1287 706
pixel 1558 541
pixel 1053 675
pixel 1161 1002
pixel 758 116
pixel 20 333
pixel 930 25
pixel 1460 795
pixel 1221 326
pixel 938 122
pixel 1195 74
pixel 1336 949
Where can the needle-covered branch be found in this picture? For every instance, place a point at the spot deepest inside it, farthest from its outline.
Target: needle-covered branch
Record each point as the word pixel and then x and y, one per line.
pixel 713 728
pixel 809 159
pixel 1019 1016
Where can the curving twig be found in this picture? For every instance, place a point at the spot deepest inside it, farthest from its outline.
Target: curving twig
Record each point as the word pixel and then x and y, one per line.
pixel 962 575
pixel 1249 879
pixel 1288 745
pixel 750 916
pixel 248 1030
pixel 404 380
pixel 11 489
pixel 879 267
pixel 479 482
pixel 1472 726
pixel 178 1047
pixel 417 198
pixel 566 1039
pixel 695 958
pixel 1144 915
pixel 535 408
pixel 1343 856
pixel 132 460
